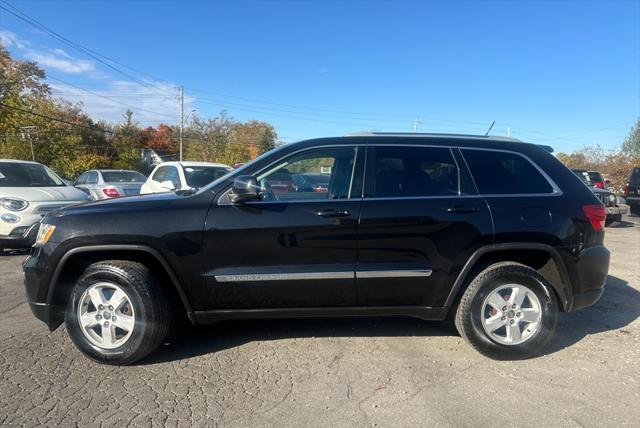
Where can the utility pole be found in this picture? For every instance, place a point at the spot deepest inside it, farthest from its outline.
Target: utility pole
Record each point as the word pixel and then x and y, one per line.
pixel 415 124
pixel 508 131
pixel 181 118
pixel 26 135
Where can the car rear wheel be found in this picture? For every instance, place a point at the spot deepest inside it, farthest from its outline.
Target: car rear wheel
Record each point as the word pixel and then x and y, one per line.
pixel 117 312
pixel 509 311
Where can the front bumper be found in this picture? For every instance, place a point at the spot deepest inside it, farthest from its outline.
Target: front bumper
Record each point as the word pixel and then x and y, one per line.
pixel 617 211
pixel 37 276
pixel 23 238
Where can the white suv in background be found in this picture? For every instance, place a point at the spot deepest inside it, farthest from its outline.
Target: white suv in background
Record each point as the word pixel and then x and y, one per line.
pixel 171 176
pixel 28 191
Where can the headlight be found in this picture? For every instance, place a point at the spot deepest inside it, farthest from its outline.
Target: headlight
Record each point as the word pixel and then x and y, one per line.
pixel 612 198
pixel 13 204
pixel 44 233
pixel 10 218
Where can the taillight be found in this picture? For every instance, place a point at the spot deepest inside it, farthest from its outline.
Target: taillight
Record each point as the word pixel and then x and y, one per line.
pixel 599 184
pixel 597 214
pixel 110 192
pixel 320 189
pixel 626 190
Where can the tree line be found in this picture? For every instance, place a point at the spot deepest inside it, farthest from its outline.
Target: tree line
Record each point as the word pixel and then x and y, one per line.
pixel 36 125
pixel 616 165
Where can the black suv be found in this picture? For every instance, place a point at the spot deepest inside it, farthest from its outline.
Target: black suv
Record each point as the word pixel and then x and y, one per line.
pixel 495 234
pixel 632 191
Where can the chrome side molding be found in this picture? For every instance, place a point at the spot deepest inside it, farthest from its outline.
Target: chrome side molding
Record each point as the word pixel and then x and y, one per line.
pixel 393 273
pixel 294 276
pixel 302 276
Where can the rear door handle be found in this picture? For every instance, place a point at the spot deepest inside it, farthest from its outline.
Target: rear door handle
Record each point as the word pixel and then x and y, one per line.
pixel 461 209
pixel 334 213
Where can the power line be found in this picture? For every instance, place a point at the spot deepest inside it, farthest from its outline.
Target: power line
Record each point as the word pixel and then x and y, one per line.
pixel 93 54
pixel 109 98
pixel 55 119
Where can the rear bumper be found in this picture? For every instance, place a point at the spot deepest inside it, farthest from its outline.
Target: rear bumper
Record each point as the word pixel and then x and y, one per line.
pixel 589 276
pixel 588 298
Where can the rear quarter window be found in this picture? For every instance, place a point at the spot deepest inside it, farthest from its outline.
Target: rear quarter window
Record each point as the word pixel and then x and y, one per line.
pixel 505 173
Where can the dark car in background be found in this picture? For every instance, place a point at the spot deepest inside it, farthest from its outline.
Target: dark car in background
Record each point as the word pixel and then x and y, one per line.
pixel 492 232
pixel 615 211
pixel 110 183
pixel 632 191
pixel 597 180
pixel 280 181
pixel 318 183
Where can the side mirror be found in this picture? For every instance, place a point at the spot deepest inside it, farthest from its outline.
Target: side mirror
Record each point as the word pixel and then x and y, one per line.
pixel 168 185
pixel 245 188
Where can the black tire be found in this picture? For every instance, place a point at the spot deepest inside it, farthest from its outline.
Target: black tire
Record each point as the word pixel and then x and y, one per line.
pixel 153 313
pixel 634 209
pixel 612 219
pixel 468 315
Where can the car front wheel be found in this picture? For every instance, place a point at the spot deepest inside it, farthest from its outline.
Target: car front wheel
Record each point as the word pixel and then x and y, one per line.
pixel 117 313
pixel 509 311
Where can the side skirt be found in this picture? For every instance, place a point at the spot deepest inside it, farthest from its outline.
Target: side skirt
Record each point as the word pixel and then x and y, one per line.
pixel 421 312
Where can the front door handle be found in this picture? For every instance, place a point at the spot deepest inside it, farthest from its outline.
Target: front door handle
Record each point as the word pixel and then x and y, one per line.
pixel 334 213
pixel 461 209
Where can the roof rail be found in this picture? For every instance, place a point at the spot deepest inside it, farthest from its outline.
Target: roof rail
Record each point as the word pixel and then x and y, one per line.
pixel 429 134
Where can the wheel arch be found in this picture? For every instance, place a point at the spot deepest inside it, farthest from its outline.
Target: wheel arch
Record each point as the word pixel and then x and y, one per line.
pixel 542 257
pixel 73 263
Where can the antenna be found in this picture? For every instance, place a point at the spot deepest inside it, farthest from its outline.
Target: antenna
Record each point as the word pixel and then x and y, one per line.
pixel 416 123
pixel 490 128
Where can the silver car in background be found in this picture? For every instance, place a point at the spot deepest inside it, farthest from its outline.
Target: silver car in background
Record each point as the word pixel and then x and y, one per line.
pixel 110 183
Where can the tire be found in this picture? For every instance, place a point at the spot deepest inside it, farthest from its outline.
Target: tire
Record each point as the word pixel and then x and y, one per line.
pixel 477 307
pixel 612 219
pixel 634 209
pixel 137 326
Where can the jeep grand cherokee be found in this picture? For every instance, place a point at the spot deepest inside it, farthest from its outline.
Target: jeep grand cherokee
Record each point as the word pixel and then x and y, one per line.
pixel 493 233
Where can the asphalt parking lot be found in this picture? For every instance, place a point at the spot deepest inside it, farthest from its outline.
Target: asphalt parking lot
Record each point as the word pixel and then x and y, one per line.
pixel 338 372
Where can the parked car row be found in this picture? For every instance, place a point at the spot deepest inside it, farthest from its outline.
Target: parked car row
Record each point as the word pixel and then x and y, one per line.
pixel 596 182
pixel 29 190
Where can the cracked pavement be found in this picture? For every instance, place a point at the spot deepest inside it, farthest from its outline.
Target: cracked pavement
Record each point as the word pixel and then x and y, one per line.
pixel 335 372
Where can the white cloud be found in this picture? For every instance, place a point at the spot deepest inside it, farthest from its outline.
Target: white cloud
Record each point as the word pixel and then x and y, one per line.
pixel 8 39
pixel 150 104
pixel 61 61
pixel 56 59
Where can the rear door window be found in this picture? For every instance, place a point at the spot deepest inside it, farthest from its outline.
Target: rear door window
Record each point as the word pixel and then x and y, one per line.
pixel 404 171
pixel 505 173
pixel 92 177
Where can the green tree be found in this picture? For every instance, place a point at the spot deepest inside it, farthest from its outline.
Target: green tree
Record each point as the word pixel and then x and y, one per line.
pixel 631 145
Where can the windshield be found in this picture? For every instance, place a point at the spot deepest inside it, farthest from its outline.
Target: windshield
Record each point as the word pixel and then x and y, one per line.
pixel 317 179
pixel 240 170
pixel 582 175
pixel 123 177
pixel 27 175
pixel 200 176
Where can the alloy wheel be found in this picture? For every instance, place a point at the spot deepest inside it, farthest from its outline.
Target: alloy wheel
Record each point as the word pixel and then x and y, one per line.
pixel 106 315
pixel 511 314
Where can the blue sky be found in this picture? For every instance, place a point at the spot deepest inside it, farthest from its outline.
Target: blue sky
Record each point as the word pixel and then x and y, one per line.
pixel 559 73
